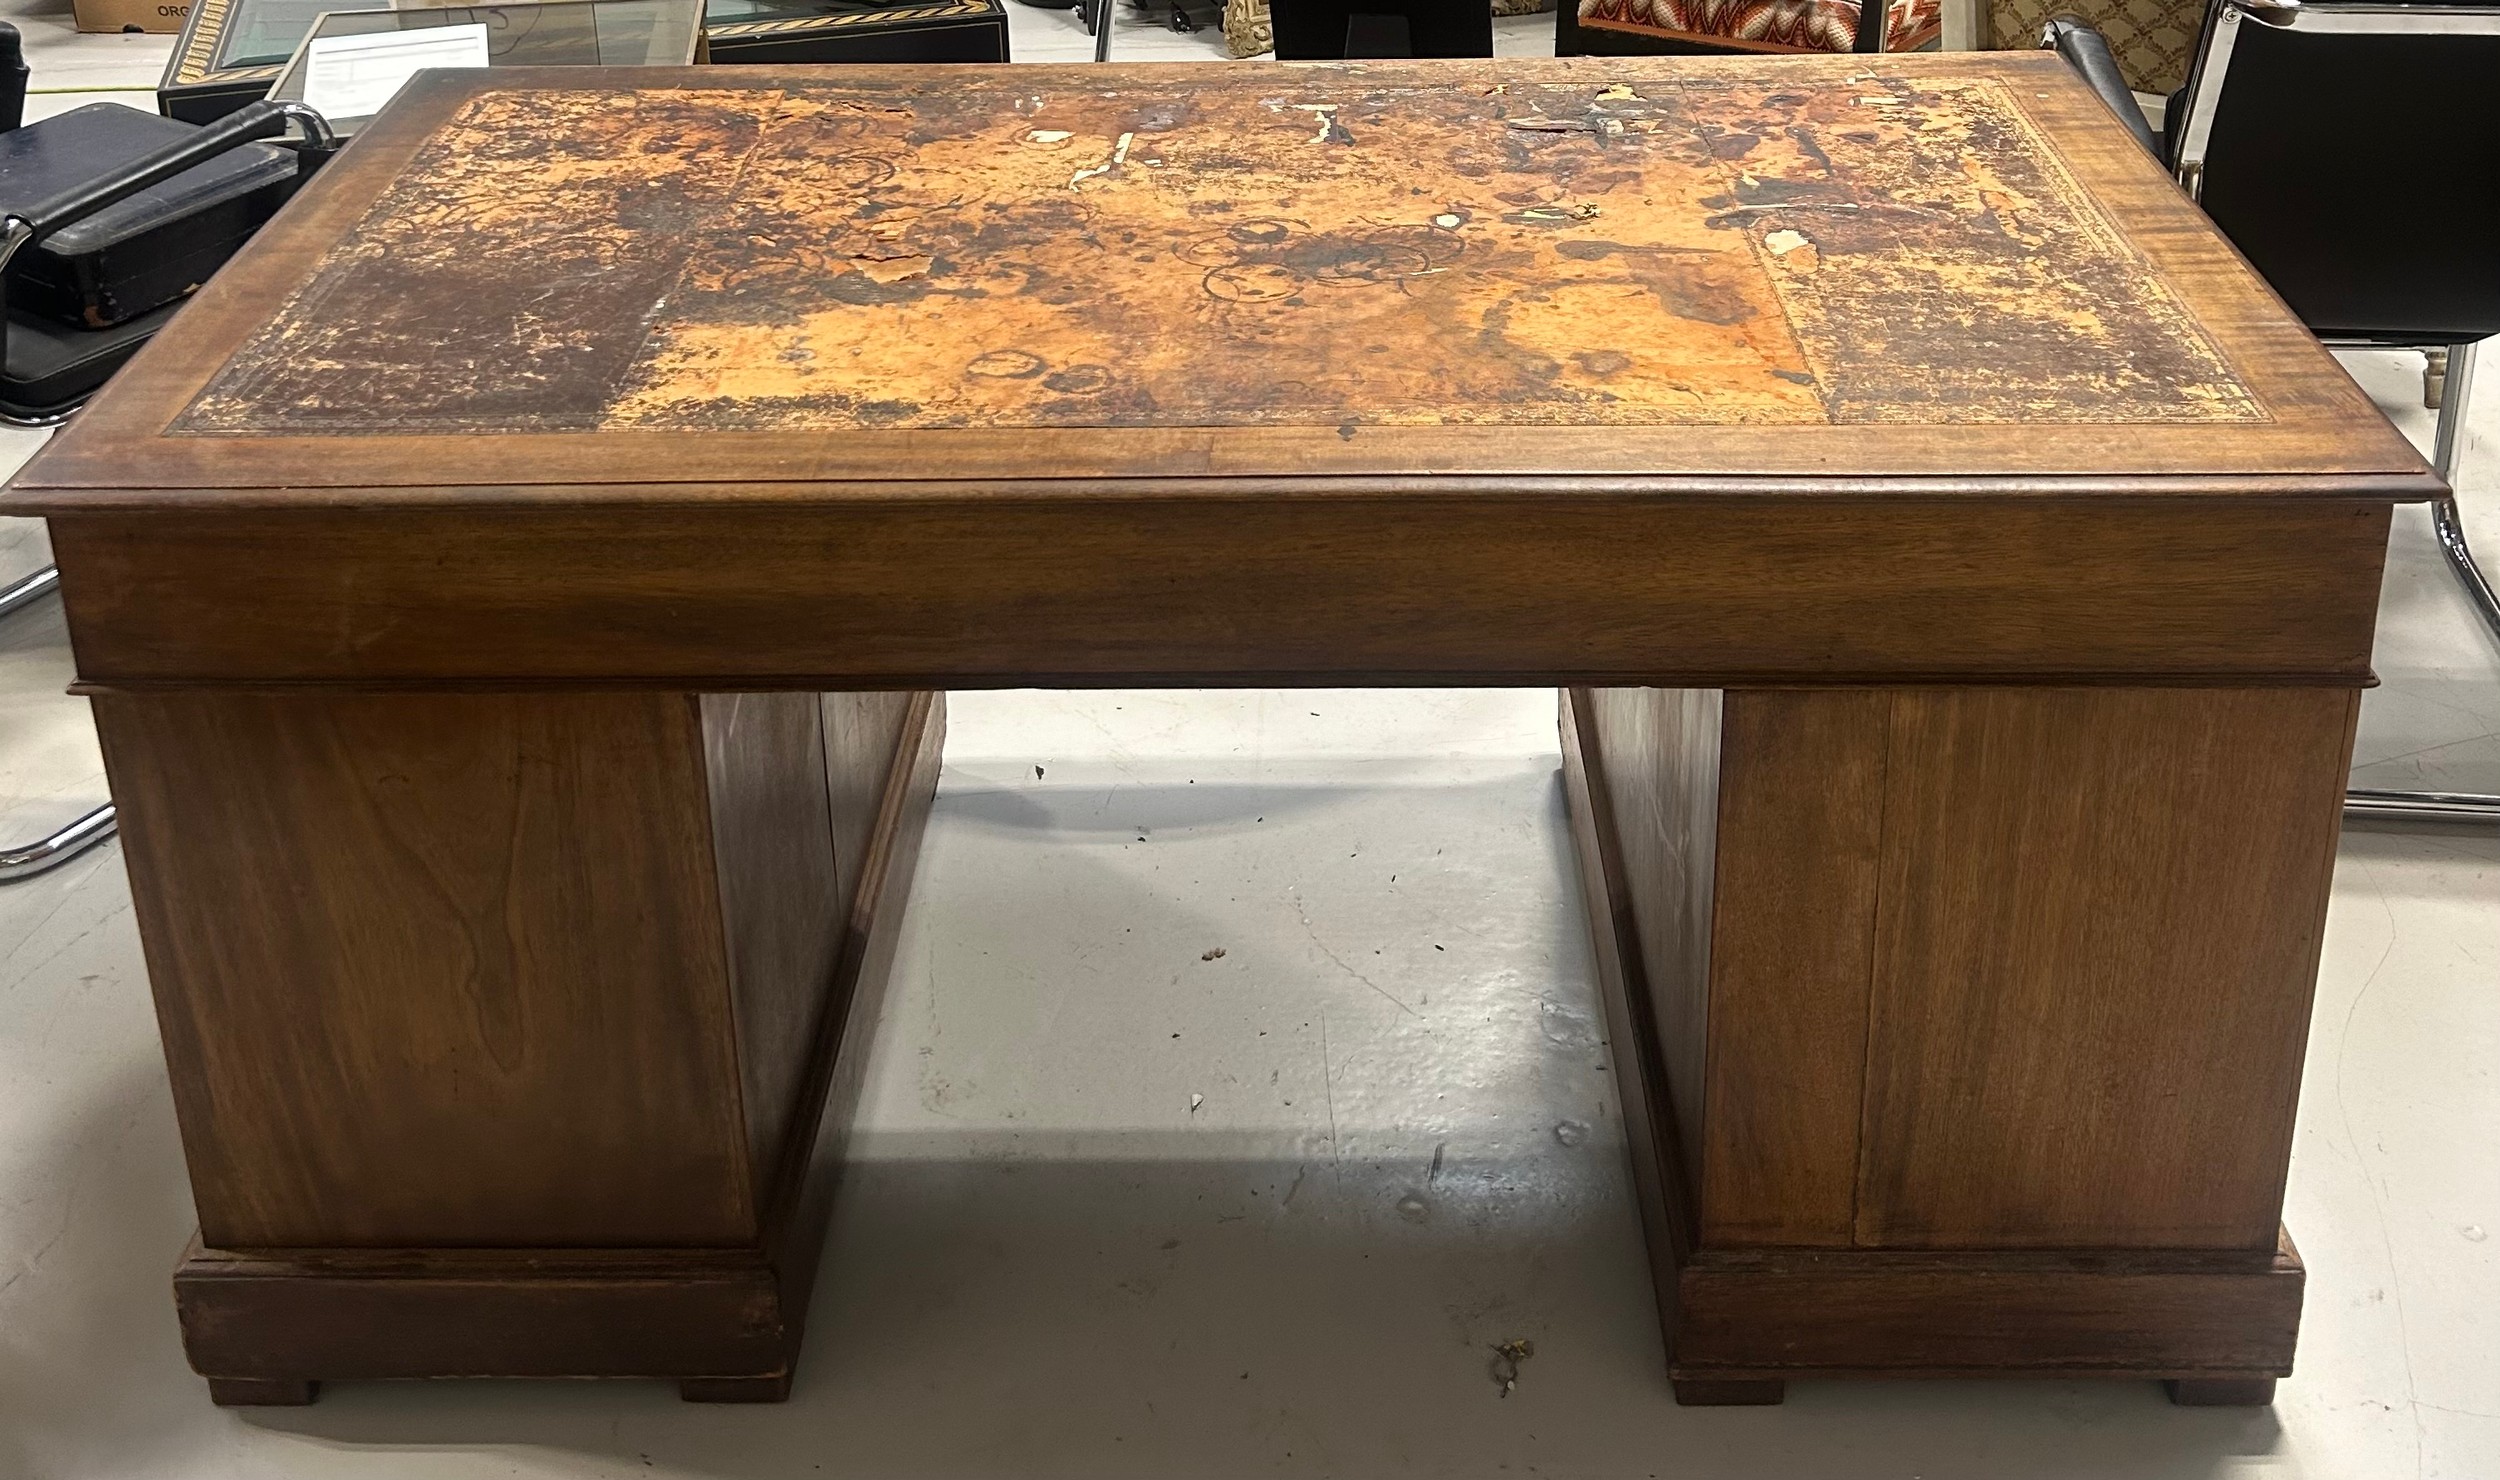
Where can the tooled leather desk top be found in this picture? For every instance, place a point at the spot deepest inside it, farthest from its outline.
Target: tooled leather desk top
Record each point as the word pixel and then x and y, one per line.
pixel 1895 265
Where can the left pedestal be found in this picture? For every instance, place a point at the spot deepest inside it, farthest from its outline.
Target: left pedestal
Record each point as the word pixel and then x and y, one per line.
pixel 513 1035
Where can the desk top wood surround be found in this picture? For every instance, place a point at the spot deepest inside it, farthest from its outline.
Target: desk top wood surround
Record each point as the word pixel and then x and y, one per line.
pixel 1940 265
pixel 1487 304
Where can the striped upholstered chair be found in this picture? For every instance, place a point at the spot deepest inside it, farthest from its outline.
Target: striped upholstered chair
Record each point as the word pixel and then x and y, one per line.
pixel 1616 27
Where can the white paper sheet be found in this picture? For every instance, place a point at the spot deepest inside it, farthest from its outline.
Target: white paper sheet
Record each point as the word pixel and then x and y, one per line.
pixel 353 76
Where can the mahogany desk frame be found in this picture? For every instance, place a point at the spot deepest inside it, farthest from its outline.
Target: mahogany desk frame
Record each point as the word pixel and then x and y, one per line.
pixel 518 824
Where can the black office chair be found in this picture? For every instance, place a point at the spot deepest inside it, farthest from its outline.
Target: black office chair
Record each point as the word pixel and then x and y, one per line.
pixel 108 217
pixel 2295 134
pixel 1335 30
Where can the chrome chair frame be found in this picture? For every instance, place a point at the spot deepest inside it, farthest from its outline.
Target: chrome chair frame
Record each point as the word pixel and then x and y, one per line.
pixel 259 120
pixel 89 828
pixel 2446 444
pixel 2199 104
pixel 2213 58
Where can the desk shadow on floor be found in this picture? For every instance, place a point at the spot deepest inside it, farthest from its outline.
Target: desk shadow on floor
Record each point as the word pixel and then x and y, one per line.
pixel 1217 1318
pixel 1022 1282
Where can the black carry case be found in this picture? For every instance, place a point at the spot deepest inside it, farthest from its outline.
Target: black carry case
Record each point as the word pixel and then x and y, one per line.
pixel 148 251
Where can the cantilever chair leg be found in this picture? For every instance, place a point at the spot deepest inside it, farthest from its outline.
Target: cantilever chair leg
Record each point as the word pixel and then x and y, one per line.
pixel 2445 450
pixel 32 589
pixel 2445 806
pixel 49 852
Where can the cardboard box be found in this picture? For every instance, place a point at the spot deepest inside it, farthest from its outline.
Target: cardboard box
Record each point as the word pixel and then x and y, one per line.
pixel 131 15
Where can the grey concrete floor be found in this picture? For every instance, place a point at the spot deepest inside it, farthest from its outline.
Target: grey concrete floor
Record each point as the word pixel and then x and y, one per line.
pixel 1405 1146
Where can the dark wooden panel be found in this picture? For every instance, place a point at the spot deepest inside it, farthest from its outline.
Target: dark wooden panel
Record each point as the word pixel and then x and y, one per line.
pixel 1757 1317
pixel 2220 1392
pixel 442 970
pixel 1705 592
pixel 1660 770
pixel 861 732
pixel 267 1324
pixel 2096 944
pixel 837 1069
pixel 1791 960
pixel 278 1315
pixel 782 904
pixel 1659 1177
pixel 256 1392
pixel 1989 1313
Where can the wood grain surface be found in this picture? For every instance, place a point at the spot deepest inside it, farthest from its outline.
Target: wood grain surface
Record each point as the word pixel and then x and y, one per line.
pixel 1246 590
pixel 2169 1313
pixel 1661 1179
pixel 1800 838
pixel 502 969
pixel 266 1325
pixel 1646 266
pixel 2097 938
pixel 1757 1302
pixel 1661 777
pixel 781 898
pixel 437 969
pixel 1982 968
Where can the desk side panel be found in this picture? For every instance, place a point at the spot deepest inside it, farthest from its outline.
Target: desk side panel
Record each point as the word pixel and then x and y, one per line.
pixel 862 734
pixel 1659 767
pixel 1801 811
pixel 2096 944
pixel 436 970
pixel 795 783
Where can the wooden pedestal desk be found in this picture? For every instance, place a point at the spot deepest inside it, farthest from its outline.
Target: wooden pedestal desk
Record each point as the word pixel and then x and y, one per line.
pixel 514 596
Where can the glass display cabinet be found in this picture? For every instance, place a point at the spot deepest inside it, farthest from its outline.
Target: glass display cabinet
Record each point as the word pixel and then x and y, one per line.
pixel 231 51
pixel 564 33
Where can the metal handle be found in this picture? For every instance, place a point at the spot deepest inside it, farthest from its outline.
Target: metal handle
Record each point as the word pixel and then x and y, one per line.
pixel 253 122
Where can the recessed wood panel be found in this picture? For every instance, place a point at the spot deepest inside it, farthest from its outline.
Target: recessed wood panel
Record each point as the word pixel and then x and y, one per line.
pixel 1660 769
pixel 2095 947
pixel 1792 939
pixel 1757 1316
pixel 862 731
pixel 782 907
pixel 438 970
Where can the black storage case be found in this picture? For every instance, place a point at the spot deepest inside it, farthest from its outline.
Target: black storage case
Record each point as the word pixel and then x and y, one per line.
pixel 149 250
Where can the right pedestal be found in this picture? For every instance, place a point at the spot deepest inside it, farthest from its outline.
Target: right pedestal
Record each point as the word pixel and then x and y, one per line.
pixel 1959 1030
